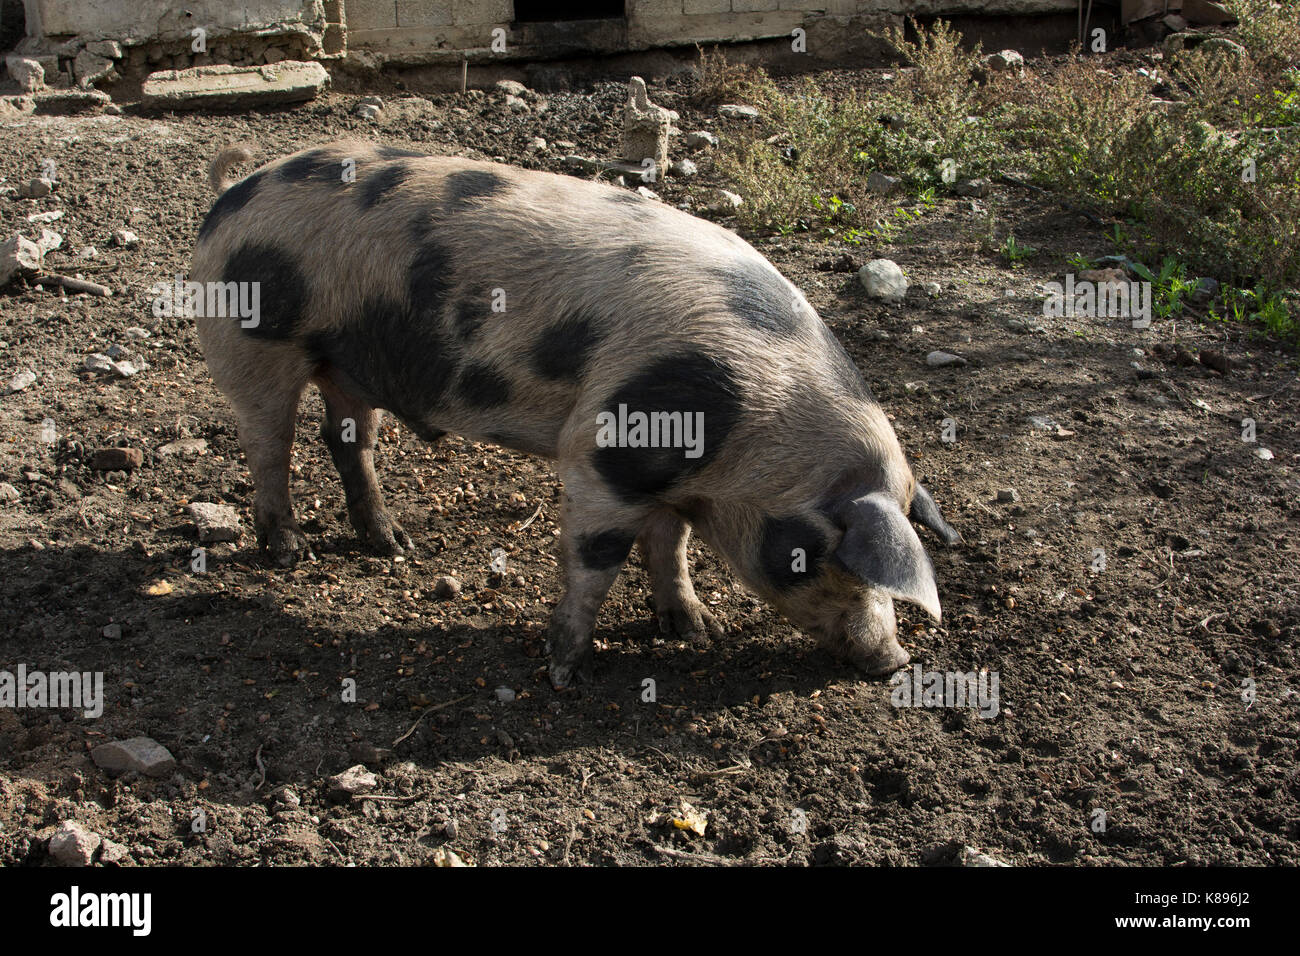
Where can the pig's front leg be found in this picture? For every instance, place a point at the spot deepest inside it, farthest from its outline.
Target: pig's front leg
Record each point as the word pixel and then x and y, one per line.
pixel 663 544
pixel 597 534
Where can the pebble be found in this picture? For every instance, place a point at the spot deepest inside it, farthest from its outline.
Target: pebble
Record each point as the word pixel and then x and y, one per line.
pixel 446 587
pixel 939 359
pixel 701 138
pixel 116 459
pixel 1008 494
pixel 8 493
pixel 505 694
pixel 933 289
pixel 683 168
pixel 880 183
pixel 21 380
pixel 215 522
pixel 354 780
pixel 110 852
pixel 1263 454
pixel 517 105
pixel 183 447
pixel 36 188
pixel 367 112
pixel 973 857
pixel 537 145
pixel 73 845
pixel 112 632
pixel 142 754
pixel 736 111
pixel 126 239
pixel 645 193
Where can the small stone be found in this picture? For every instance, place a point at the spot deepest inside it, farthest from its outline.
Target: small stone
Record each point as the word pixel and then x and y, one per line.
pixel 137 334
pixel 112 632
pixel 112 853
pixel 445 857
pixel 21 380
pixel 977 188
pixel 517 105
pixel 142 754
pixel 1005 61
pixel 724 202
pixel 18 256
pixel 367 112
pixel 878 182
pixel 973 857
pixel 374 101
pixel 183 447
pixel 48 241
pixel 446 586
pixel 580 164
pixel 645 193
pixel 116 459
pixel 537 145
pixel 126 239
pixel 354 780
pixel 1205 291
pixel 505 694
pixel 215 522
pixel 683 168
pixel 288 798
pixel 8 493
pixel 1007 495
pixel 37 188
pixel 700 139
pixel 511 87
pixel 737 112
pixel 87 252
pixel 939 359
pixel 73 845
pixel 933 289
pixel 1263 454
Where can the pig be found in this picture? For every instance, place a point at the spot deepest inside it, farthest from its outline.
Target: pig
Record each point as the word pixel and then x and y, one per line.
pixel 678 380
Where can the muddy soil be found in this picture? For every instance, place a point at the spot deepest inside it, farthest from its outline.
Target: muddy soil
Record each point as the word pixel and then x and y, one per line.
pixel 1147 710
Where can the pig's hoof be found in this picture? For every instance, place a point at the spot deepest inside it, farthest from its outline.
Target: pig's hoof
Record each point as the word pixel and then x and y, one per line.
pixel 886 661
pixel 691 621
pixel 564 675
pixel 385 536
pixel 287 545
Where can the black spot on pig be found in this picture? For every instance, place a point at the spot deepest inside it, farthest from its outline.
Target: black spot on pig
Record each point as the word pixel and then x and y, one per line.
pixel 469 313
pixel 318 165
pixel 605 550
pixel 378 185
pixel 393 362
pixel 562 350
pixel 470 184
pixel 483 386
pixel 429 282
pixel 230 202
pixel 685 383
pixel 760 297
pixel 789 544
pixel 281 288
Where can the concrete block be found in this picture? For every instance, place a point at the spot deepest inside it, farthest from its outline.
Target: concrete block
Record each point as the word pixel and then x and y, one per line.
pixel 420 13
pixel 696 7
pixel 205 87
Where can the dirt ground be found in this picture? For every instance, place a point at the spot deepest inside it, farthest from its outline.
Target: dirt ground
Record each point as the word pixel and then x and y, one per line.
pixel 1125 691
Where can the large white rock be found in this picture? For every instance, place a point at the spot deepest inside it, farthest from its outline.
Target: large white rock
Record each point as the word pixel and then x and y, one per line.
pixel 883 279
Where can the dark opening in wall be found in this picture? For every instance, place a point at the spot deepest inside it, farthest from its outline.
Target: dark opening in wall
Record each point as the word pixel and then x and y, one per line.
pixel 13 20
pixel 551 11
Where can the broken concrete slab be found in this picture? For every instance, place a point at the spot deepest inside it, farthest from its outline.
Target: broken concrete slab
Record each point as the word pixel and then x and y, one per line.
pixel 26 72
pixel 208 87
pixel 65 102
pixel 89 68
pixel 215 522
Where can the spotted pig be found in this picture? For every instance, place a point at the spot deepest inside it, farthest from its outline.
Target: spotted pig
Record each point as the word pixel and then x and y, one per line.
pixel 677 379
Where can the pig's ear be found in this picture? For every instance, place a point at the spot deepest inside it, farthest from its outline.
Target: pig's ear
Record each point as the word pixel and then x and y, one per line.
pixel 881 548
pixel 925 512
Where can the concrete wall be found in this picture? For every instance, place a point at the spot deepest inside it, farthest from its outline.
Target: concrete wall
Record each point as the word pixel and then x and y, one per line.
pixel 142 20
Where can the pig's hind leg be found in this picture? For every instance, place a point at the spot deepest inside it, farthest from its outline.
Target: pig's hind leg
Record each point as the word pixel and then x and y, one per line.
pixel 663 545
pixel 351 432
